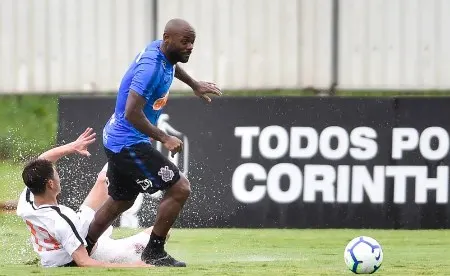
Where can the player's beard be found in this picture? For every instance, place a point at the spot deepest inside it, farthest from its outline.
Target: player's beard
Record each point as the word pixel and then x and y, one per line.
pixel 180 56
pixel 184 57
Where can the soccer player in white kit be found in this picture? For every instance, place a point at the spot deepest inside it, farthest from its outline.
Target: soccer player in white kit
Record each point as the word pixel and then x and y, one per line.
pixel 58 232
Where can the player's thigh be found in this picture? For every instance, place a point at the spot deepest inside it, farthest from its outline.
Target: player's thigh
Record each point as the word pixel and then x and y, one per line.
pixel 149 169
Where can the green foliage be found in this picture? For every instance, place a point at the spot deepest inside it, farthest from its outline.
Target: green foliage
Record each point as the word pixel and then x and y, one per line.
pixel 28 125
pixel 10 181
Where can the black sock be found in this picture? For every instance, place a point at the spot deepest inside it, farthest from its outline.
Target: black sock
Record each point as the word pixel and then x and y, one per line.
pixel 156 244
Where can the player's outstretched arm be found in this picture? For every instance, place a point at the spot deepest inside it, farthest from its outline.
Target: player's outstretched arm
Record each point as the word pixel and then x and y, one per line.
pixel 82 259
pixel 201 88
pixel 78 146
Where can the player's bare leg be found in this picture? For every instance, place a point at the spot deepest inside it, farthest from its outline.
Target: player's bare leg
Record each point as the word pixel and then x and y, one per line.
pixel 169 209
pixel 150 229
pixel 170 206
pixel 98 194
pixel 104 217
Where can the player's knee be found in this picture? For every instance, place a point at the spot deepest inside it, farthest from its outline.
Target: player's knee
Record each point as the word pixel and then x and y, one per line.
pixel 183 188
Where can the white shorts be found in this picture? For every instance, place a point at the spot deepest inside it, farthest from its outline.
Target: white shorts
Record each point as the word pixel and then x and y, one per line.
pixel 110 250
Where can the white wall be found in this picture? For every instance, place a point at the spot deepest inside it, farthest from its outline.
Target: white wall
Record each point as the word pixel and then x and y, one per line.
pixel 395 44
pixel 85 45
pixel 256 43
pixel 69 45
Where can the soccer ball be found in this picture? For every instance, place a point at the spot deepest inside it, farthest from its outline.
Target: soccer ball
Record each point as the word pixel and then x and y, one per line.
pixel 363 255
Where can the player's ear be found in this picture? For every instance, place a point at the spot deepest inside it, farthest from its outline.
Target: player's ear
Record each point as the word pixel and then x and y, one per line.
pixel 166 38
pixel 50 184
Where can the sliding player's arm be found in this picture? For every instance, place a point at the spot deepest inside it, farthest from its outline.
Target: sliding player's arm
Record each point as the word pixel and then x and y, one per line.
pixel 82 259
pixel 78 146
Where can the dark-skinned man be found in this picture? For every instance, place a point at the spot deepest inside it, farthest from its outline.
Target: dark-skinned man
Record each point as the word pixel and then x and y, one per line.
pixel 134 165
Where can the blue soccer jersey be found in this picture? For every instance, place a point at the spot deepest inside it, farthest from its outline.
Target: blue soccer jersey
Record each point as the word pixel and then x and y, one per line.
pixel 150 75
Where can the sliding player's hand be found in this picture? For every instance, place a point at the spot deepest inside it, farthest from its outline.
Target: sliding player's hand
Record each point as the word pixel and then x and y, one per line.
pixel 173 144
pixel 81 144
pixel 203 88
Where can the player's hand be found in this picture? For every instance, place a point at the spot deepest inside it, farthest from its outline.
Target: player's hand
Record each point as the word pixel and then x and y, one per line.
pixel 203 88
pixel 81 144
pixel 173 144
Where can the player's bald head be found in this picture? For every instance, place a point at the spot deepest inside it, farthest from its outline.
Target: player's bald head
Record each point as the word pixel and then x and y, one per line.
pixel 179 38
pixel 178 26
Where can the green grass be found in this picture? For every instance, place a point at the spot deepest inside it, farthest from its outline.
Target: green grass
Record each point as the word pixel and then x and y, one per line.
pixel 253 252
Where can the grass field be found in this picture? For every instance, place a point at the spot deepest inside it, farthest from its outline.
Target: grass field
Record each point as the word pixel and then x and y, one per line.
pixel 252 252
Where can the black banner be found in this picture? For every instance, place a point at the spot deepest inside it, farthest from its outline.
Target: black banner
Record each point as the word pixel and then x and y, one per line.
pixel 293 162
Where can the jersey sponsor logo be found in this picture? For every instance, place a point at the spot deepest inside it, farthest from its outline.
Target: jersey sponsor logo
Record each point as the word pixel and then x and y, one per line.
pixel 161 102
pixel 166 174
pixel 144 183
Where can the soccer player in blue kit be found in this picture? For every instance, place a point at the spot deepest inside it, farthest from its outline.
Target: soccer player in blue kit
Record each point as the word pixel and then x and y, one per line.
pixel 134 165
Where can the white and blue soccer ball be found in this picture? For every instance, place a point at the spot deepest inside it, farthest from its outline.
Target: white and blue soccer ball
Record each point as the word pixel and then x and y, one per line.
pixel 363 255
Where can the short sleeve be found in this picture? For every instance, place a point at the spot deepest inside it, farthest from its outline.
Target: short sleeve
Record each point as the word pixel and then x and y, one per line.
pixel 146 77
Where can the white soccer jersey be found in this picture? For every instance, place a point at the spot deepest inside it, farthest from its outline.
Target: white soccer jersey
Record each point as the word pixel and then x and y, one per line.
pixel 56 230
